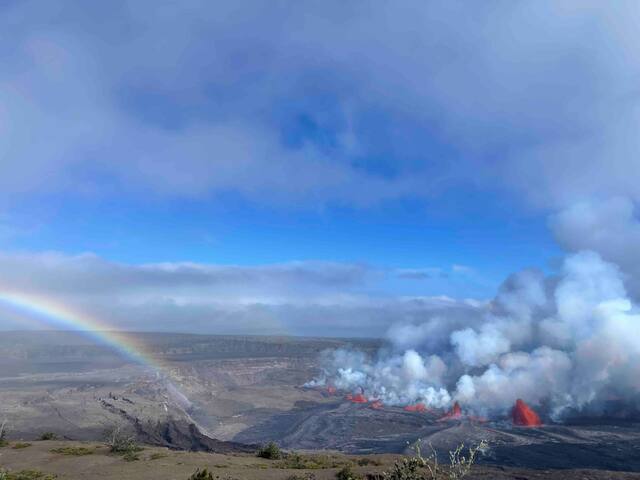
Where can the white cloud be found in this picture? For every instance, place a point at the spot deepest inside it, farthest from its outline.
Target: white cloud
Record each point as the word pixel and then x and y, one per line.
pixel 313 298
pixel 175 101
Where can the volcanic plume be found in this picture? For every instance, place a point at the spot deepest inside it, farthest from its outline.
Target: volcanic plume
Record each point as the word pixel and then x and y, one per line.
pixel 566 340
pixel 524 416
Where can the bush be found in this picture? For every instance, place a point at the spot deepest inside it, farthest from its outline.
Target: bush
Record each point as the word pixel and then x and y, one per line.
pixel 270 451
pixel 120 443
pixel 420 468
pixel 346 473
pixel 202 475
pixel 3 434
pixel 48 436
pixel 131 456
pixel 19 445
pixel 459 465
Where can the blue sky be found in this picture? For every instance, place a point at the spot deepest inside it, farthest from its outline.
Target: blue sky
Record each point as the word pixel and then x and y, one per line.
pixel 441 139
pixel 401 234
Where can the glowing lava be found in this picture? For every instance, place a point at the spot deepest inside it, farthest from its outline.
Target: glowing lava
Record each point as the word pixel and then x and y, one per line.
pixel 454 414
pixel 377 405
pixel 331 390
pixel 359 398
pixel 416 407
pixel 524 416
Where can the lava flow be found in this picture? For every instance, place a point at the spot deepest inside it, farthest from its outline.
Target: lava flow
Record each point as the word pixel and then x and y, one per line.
pixel 454 414
pixel 359 398
pixel 524 416
pixel 377 405
pixel 416 407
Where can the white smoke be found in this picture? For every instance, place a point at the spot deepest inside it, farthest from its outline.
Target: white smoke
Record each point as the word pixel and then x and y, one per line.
pixel 570 341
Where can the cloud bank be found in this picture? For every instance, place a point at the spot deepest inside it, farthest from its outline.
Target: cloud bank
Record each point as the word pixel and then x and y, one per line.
pixel 356 104
pixel 301 298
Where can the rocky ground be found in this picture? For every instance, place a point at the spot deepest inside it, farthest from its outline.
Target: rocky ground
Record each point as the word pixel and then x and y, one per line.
pixel 228 394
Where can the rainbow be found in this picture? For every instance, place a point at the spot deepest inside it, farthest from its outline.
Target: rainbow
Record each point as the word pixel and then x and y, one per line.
pixel 55 314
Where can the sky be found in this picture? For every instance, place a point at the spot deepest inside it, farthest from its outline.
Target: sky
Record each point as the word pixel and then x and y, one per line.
pixel 310 168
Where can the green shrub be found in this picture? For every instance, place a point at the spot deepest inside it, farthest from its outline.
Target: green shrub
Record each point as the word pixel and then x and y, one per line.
pixel 412 468
pixel 48 436
pixel 202 475
pixel 306 476
pixel 73 451
pixel 3 434
pixel 157 456
pixel 270 451
pixel 131 456
pixel 419 468
pixel 297 461
pixel 346 473
pixel 26 475
pixel 19 445
pixel 120 443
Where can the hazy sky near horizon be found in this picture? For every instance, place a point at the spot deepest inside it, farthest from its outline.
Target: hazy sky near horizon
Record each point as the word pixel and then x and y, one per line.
pixel 310 167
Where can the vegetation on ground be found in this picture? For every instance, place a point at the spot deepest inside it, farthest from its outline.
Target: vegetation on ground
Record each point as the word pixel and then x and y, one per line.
pixel 25 475
pixel 73 451
pixel 310 462
pixel 207 475
pixel 121 443
pixel 3 434
pixel 418 467
pixel 203 475
pixel 48 436
pixel 270 451
pixel 347 473
pixel 157 456
pixel 19 445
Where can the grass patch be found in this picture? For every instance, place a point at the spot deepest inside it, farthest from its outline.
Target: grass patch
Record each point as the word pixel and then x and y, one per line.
pixel 19 445
pixel 158 456
pixel 131 456
pixel 26 475
pixel 73 451
pixel 297 461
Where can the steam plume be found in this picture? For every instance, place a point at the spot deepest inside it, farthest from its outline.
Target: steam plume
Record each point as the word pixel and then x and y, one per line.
pixel 565 342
